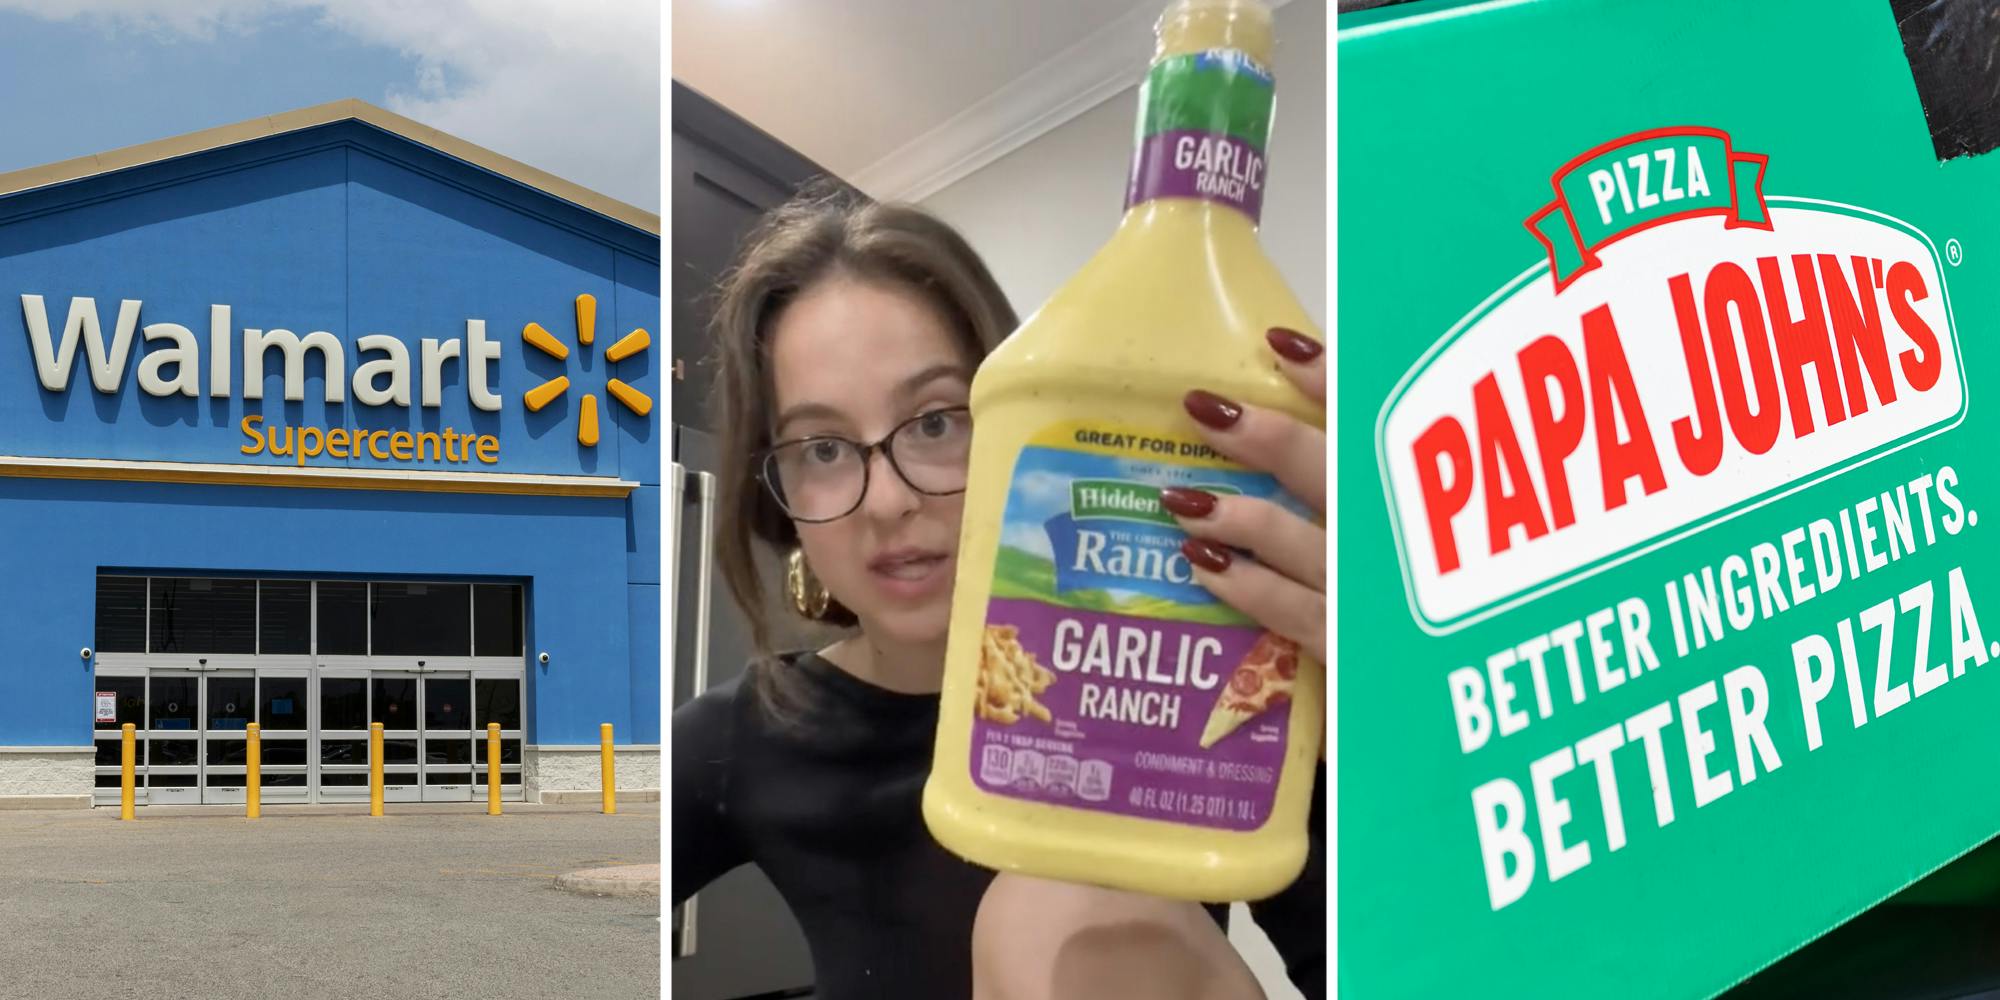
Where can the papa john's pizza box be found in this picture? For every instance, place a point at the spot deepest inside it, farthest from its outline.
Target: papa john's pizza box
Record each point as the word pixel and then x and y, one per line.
pixel 1669 591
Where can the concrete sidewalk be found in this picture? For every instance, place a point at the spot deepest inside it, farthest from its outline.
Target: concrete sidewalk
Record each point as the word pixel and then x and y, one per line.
pixel 429 901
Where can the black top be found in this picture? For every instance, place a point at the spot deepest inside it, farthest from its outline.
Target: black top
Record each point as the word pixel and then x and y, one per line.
pixel 833 815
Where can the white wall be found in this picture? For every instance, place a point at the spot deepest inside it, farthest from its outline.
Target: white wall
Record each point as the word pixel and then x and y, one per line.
pixel 1038 213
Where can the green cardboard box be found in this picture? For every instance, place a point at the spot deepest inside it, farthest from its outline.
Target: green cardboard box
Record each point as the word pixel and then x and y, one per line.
pixel 1667 616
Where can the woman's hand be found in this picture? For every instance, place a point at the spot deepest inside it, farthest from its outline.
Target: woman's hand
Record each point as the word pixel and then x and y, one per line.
pixel 1283 586
pixel 1036 939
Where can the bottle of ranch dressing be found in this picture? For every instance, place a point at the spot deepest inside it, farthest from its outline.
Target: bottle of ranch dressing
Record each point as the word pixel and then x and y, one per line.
pixel 1105 719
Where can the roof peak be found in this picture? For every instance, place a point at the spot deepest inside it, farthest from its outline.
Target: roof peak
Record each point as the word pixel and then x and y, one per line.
pixel 346 109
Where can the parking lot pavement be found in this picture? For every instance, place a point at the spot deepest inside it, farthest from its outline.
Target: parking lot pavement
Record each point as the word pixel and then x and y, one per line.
pixel 324 902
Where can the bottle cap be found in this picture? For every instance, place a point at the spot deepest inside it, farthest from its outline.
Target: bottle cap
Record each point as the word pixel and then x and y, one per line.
pixel 1198 25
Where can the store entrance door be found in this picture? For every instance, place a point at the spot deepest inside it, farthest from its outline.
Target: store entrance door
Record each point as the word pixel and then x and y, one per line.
pixel 283 712
pixel 448 750
pixel 392 701
pixel 173 737
pixel 190 662
pixel 230 700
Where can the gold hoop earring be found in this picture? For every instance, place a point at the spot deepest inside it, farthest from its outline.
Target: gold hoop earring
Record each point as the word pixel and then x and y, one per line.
pixel 809 598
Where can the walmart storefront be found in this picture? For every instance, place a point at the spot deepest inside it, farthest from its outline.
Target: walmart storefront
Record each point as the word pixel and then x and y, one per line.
pixel 316 421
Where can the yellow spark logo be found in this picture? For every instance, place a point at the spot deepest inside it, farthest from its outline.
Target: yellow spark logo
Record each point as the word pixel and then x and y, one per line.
pixel 586 327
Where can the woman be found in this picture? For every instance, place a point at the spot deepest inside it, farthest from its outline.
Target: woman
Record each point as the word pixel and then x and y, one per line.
pixel 849 333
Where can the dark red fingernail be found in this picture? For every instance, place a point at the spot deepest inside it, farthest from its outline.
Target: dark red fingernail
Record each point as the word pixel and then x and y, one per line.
pixel 1212 409
pixel 1293 345
pixel 1208 555
pixel 1187 503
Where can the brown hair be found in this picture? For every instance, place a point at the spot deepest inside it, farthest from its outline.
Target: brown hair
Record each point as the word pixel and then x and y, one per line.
pixel 825 231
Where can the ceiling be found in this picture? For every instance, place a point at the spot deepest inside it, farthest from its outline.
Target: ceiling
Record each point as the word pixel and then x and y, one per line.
pixel 902 97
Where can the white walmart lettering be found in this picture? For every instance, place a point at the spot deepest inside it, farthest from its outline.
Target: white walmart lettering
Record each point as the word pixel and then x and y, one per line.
pixel 175 368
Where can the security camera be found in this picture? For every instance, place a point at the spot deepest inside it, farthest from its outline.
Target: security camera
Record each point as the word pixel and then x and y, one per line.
pixel 543 659
pixel 85 653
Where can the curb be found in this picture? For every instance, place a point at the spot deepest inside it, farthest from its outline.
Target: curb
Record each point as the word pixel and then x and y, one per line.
pixel 623 880
pixel 26 802
pixel 554 797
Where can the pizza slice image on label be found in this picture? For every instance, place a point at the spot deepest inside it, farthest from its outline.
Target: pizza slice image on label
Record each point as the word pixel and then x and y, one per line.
pixel 1264 679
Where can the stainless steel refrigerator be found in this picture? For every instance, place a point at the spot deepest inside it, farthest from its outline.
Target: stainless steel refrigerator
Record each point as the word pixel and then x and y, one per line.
pixel 736 939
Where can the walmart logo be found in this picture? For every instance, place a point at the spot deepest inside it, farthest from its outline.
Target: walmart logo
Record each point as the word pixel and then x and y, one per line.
pixel 586 326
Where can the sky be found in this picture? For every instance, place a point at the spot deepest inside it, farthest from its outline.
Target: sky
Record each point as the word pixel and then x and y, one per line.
pixel 569 86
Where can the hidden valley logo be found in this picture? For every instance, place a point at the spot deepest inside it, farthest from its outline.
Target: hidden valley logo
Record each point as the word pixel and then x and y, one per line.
pixel 1087 531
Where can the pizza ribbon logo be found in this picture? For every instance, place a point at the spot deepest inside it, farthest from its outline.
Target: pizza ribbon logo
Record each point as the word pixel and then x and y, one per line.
pixel 1644 180
pixel 586 326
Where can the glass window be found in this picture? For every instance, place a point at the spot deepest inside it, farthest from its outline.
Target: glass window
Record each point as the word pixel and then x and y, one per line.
pixel 111 753
pixel 446 778
pixel 343 618
pixel 421 619
pixel 171 780
pixel 121 614
pixel 171 753
pixel 174 703
pixel 343 703
pixel 342 780
pixel 394 704
pixel 229 752
pixel 399 752
pixel 510 751
pixel 203 616
pixel 299 617
pixel 232 703
pixel 447 703
pixel 282 752
pixel 496 619
pixel 281 702
pixel 448 752
pixel 499 701
pixel 128 696
pixel 269 780
pixel 348 752
pixel 284 617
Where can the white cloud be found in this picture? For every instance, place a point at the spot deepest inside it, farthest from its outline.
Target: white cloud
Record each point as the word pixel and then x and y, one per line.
pixel 1029 538
pixel 1042 494
pixel 569 86
pixel 199 20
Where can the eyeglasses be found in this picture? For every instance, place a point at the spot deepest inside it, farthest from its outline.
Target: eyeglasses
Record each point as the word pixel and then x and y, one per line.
pixel 824 478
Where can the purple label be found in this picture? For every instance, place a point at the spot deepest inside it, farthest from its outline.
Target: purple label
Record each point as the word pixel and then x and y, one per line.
pixel 1188 163
pixel 1119 710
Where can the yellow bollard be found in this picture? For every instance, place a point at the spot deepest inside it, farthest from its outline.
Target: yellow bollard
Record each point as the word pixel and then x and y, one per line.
pixel 492 769
pixel 126 754
pixel 610 776
pixel 374 769
pixel 253 777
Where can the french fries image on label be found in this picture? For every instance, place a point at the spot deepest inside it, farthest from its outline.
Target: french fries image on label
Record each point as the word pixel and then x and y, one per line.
pixel 1009 678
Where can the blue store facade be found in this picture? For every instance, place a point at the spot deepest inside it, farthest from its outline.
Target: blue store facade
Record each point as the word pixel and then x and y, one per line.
pixel 316 421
